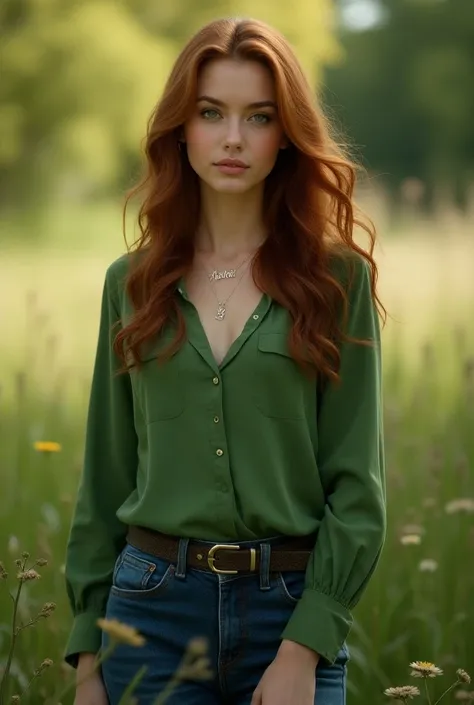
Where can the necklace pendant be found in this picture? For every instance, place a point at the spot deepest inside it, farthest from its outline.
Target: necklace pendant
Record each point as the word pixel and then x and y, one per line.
pixel 223 274
pixel 220 313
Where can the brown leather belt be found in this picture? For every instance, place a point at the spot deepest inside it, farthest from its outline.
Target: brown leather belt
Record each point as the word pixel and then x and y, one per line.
pixel 288 554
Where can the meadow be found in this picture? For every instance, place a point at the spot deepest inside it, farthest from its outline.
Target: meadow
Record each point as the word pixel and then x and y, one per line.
pixel 419 604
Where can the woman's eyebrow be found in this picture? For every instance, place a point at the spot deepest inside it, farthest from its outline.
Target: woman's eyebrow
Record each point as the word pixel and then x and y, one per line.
pixel 258 104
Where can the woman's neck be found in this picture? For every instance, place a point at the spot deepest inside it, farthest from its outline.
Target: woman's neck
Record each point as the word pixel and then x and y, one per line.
pixel 230 224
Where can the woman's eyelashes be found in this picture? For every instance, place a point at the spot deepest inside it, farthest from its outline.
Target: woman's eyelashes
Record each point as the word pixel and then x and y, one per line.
pixel 215 114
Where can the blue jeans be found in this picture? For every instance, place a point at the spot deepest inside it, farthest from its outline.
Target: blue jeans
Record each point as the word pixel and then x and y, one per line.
pixel 241 616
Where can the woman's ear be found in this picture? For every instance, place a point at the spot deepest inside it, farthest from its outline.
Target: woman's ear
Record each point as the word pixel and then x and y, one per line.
pixel 285 142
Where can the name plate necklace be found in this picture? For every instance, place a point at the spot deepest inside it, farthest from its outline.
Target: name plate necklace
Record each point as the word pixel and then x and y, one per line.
pixel 221 305
pixel 216 275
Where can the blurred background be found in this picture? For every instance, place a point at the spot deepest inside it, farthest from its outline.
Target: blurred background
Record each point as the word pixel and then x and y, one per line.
pixel 78 81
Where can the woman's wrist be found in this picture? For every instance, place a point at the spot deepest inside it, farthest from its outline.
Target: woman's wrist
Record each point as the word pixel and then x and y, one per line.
pixel 86 663
pixel 291 648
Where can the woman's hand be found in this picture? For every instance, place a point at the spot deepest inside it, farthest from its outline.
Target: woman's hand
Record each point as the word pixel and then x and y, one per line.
pixel 290 678
pixel 90 689
pixel 91 692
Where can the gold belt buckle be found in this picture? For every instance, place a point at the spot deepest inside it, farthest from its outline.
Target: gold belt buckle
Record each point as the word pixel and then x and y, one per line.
pixel 211 557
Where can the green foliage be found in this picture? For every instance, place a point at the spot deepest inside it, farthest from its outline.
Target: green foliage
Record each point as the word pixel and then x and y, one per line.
pixel 404 93
pixel 78 83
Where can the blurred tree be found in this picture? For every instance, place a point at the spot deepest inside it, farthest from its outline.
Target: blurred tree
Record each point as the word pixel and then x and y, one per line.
pixel 404 92
pixel 80 78
pixel 78 81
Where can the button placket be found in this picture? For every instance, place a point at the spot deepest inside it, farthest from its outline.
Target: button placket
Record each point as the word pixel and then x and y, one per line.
pixel 218 438
pixel 219 443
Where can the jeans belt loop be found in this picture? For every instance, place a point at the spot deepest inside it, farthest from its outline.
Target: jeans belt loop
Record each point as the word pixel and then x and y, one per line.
pixel 182 558
pixel 265 555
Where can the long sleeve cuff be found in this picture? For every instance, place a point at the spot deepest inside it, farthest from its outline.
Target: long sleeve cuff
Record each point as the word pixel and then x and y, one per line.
pixel 320 623
pixel 85 636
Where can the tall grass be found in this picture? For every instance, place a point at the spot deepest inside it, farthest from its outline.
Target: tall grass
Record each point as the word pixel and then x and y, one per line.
pixel 419 604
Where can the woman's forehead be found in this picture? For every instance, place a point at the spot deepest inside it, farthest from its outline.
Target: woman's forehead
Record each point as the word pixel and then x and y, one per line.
pixel 232 82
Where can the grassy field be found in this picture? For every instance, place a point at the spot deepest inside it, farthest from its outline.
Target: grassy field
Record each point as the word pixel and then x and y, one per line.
pixel 419 604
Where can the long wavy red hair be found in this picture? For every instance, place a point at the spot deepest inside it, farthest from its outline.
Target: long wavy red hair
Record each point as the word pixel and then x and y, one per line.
pixel 308 216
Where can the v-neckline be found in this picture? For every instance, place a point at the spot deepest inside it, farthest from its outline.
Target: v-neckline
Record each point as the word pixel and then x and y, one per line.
pixel 202 344
pixel 250 320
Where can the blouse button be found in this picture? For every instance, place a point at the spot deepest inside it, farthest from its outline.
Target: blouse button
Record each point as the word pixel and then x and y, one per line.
pixel 255 317
pixel 219 452
pixel 215 380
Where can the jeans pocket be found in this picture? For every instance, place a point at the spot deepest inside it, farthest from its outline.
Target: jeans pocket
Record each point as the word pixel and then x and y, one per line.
pixel 291 585
pixel 140 575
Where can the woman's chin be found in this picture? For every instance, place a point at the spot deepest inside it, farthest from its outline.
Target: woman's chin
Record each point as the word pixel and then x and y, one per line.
pixel 229 185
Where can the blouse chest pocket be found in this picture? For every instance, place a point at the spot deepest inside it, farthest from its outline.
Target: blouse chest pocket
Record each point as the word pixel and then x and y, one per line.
pixel 158 386
pixel 279 384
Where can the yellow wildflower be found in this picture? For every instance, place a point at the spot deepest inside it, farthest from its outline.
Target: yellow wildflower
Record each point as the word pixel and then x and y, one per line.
pixel 199 670
pixel 122 633
pixel 425 669
pixel 196 665
pixel 47 447
pixel 197 647
pixel 403 692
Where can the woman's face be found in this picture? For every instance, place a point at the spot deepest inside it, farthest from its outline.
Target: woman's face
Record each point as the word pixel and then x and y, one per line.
pixel 235 117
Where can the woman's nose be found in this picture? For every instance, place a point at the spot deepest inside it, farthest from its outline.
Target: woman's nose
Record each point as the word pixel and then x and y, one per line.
pixel 233 136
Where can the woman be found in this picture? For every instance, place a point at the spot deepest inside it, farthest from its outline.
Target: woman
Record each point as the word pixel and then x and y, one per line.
pixel 233 485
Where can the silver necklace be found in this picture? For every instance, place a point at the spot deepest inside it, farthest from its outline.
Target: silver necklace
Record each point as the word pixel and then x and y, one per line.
pixel 216 275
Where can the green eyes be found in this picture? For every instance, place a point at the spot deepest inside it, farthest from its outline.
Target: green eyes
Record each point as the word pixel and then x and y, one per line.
pixel 205 113
pixel 211 114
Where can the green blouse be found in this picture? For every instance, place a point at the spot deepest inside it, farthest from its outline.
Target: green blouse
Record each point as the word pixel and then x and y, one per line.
pixel 244 450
